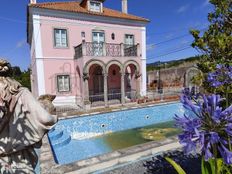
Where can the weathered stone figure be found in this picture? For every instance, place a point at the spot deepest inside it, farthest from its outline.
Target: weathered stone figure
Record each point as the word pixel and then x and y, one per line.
pixel 46 102
pixel 23 123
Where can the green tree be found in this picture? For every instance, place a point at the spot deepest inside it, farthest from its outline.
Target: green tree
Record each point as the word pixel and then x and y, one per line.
pixel 22 77
pixel 216 43
pixel 16 71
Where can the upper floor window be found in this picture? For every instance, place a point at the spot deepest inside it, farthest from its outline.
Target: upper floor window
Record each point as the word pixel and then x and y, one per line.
pixel 95 6
pixel 63 83
pixel 60 38
pixel 129 39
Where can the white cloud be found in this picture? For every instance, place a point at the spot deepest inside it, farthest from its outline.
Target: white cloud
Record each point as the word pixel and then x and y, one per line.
pixel 21 43
pixel 150 47
pixel 169 36
pixel 183 8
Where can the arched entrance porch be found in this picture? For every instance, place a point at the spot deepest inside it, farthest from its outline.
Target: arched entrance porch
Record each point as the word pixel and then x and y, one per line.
pixel 111 83
pixel 131 80
pixel 93 78
pixel 114 82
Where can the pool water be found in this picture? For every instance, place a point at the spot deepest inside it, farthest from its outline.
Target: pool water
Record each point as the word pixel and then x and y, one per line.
pixel 132 137
pixel 85 137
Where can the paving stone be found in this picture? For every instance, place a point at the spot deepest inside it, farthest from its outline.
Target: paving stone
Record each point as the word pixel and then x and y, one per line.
pixel 109 156
pixel 88 162
pixel 135 156
pixel 130 150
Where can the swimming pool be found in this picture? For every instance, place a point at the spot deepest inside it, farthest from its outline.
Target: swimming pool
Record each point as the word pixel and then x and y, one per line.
pixel 85 137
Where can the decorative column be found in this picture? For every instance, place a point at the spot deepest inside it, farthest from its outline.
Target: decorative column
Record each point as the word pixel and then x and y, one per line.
pixel 106 89
pixel 137 78
pixel 138 54
pixel 123 87
pixel 84 53
pixel 104 49
pixel 122 49
pixel 86 87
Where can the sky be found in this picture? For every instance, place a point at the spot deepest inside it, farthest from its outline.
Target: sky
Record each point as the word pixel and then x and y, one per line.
pixel 168 35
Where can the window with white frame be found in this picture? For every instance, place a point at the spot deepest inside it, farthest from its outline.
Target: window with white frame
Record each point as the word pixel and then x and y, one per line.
pixel 95 6
pixel 60 38
pixel 63 83
pixel 129 39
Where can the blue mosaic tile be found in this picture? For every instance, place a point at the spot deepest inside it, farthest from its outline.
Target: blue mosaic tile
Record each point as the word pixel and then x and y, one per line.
pixel 73 150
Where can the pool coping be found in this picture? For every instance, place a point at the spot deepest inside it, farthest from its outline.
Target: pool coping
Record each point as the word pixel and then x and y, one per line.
pixel 125 108
pixel 108 160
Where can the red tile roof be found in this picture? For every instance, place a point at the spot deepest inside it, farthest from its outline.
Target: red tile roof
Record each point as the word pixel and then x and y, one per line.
pixel 75 7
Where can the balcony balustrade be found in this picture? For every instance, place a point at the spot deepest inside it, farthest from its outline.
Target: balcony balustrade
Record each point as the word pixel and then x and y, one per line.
pixel 106 50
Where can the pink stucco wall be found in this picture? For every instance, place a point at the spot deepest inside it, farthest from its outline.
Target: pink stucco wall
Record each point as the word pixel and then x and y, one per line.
pixel 74 34
pixel 61 67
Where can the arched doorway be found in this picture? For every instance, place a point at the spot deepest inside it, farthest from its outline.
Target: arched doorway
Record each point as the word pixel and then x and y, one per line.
pixel 189 83
pixel 114 84
pixel 96 83
pixel 93 73
pixel 131 81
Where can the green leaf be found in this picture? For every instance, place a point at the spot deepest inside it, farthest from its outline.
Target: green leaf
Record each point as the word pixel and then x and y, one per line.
pixel 176 166
pixel 220 165
pixel 205 168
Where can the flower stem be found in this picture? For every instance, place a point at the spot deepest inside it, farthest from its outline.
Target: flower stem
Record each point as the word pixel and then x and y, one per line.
pixel 215 158
pixel 229 142
pixel 227 97
pixel 227 105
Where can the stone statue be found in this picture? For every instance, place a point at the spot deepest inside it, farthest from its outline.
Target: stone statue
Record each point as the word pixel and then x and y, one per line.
pixel 46 102
pixel 23 123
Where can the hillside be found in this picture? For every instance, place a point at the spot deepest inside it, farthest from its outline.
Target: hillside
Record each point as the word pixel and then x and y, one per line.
pixel 169 64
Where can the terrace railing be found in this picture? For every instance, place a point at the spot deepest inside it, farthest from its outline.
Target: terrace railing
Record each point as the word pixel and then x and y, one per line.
pixel 114 96
pixel 105 50
pixel 130 50
pixel 113 50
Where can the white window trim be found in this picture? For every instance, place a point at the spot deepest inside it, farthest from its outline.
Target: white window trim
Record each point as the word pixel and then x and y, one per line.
pixel 129 35
pixel 54 38
pixel 57 83
pixel 89 6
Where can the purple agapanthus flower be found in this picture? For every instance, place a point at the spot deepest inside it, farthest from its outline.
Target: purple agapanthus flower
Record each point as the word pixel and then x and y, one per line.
pixel 186 92
pixel 221 76
pixel 226 154
pixel 205 126
pixel 190 93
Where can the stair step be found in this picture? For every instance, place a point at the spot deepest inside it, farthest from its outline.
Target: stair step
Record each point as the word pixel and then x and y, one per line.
pixel 62 141
pixel 55 135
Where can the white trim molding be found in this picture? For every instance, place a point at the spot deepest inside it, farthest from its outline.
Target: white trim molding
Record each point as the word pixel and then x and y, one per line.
pixel 87 17
pixel 38 54
pixel 67 100
pixel 144 63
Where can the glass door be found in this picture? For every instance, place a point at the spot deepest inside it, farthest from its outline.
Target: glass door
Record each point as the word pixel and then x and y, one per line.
pixel 98 40
pixel 129 40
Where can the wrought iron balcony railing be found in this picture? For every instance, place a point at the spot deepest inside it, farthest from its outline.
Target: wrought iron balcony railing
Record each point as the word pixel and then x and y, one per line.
pixel 105 49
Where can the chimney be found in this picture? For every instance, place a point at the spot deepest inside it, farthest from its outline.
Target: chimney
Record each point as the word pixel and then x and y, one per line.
pixel 124 6
pixel 32 1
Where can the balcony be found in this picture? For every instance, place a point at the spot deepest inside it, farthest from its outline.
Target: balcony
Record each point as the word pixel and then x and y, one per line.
pixel 106 50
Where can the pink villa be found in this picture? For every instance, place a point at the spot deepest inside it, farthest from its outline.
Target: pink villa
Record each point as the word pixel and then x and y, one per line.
pixel 85 53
